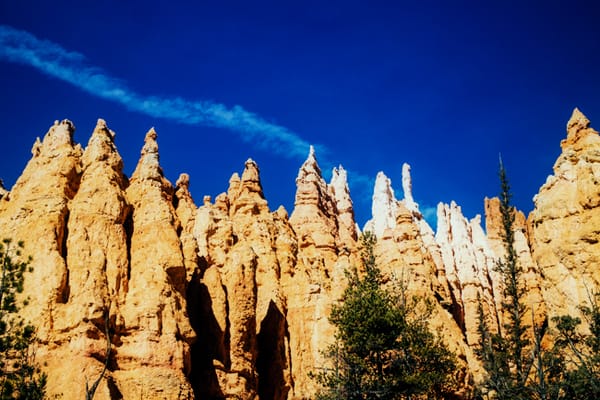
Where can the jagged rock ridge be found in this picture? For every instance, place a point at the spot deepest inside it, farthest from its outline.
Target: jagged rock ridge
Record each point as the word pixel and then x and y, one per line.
pixel 231 299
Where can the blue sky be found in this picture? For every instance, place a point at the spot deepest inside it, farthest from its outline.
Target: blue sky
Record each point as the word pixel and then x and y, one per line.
pixel 444 86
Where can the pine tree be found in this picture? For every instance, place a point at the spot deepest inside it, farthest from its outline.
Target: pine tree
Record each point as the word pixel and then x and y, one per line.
pixel 504 353
pixel 517 367
pixel 20 377
pixel 382 349
pixel 581 352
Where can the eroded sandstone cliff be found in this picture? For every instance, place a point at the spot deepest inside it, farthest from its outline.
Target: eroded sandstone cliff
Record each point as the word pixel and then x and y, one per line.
pixel 231 299
pixel 564 227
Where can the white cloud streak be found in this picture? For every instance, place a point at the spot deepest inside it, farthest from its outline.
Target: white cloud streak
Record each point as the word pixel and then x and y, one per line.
pixel 52 59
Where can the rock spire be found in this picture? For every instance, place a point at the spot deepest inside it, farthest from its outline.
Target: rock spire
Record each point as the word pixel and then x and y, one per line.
pixel 563 227
pixel 231 299
pixel 384 207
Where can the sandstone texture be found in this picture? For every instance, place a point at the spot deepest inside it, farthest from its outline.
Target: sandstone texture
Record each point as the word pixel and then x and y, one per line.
pixel 564 227
pixel 90 233
pixel 230 299
pixel 246 253
pixel 325 251
pixel 469 264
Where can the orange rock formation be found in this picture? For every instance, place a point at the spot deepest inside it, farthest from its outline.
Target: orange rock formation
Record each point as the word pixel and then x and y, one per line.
pixel 231 299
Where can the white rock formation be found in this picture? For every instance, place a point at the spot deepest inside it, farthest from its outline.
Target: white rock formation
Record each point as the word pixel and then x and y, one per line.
pixel 409 202
pixel 468 262
pixel 340 192
pixel 384 208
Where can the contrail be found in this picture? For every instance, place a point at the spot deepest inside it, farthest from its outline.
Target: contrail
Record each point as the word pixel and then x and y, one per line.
pixel 52 59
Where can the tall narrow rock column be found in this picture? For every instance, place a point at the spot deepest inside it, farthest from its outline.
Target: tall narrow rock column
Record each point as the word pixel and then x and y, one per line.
pixel 154 354
pixel 246 252
pixel 36 211
pixel 318 279
pixel 97 262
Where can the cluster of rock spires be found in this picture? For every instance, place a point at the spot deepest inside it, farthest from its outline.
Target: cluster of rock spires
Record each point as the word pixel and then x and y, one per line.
pixel 231 299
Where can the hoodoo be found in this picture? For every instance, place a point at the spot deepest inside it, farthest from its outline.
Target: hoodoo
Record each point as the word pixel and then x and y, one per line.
pixel 230 299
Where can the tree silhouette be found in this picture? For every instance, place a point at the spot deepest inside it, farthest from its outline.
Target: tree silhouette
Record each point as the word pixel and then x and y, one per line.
pixel 20 377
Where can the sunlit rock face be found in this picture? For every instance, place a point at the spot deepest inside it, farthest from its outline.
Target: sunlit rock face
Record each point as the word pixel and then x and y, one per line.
pixel 384 207
pixel 410 256
pixel 232 299
pixel 97 264
pixel 238 305
pixel 90 232
pixel 36 211
pixel 531 276
pixel 469 264
pixel 340 193
pixel 563 227
pixel 326 248
pixel 156 329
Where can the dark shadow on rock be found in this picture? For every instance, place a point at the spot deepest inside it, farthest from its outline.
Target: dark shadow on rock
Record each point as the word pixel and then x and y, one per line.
pixel 272 362
pixel 209 346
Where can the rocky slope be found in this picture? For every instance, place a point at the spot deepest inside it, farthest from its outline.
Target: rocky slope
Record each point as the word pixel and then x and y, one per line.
pixel 231 299
pixel 564 227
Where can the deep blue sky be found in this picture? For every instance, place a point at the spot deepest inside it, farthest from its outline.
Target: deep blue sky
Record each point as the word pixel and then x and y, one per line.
pixel 444 86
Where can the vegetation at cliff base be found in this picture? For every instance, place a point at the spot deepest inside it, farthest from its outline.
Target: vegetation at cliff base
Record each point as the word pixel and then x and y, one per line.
pixel 557 361
pixel 20 377
pixel 383 349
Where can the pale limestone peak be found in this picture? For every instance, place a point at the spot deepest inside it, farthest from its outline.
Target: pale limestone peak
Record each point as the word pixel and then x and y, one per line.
pixel 101 147
pixel 384 208
pixel 101 126
pixel 441 231
pixel 234 185
pixel 339 180
pixel 245 194
pixel 235 178
pixel 250 182
pixel 578 128
pixel 282 213
pixel 313 199
pixel 409 201
pixel 150 143
pixel 148 166
pixel 37 147
pixel 310 167
pixel 185 203
pixel 60 134
pixel 183 181
pixel 251 171
pixel 451 223
pixel 577 122
pixel 341 196
pixel 222 202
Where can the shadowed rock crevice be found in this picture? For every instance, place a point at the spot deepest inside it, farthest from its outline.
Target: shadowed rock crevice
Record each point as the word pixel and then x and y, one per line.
pixel 128 226
pixel 271 362
pixel 208 350
pixel 257 286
